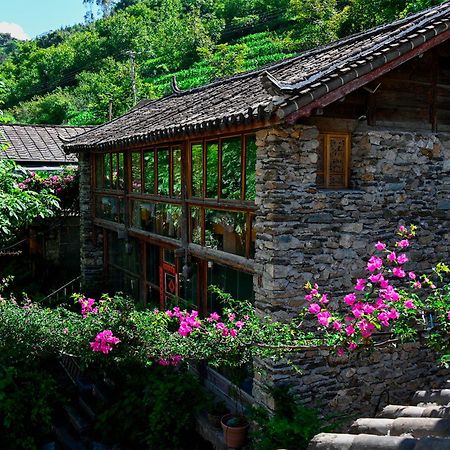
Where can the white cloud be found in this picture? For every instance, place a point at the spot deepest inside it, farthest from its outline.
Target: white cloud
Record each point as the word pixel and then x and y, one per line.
pixel 14 30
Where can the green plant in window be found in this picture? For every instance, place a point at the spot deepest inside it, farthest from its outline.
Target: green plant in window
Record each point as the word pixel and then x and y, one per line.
pixel 231 168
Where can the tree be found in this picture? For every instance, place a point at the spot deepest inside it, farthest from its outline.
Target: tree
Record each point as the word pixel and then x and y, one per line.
pixel 19 207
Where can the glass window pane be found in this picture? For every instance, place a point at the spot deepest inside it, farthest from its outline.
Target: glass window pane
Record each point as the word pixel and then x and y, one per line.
pixel 250 168
pixel 157 218
pixel 144 216
pixel 136 172
pixel 99 171
pixel 114 171
pixel 212 169
pixel 238 284
pixel 196 226
pixel 163 171
pixel 231 168
pixel 107 170
pixel 149 172
pixel 226 231
pixel 109 208
pixel 197 170
pixel 168 220
pixel 121 172
pixel 169 256
pixel 189 287
pixel 176 158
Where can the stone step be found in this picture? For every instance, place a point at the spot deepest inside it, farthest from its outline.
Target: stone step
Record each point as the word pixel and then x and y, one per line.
pixel 394 411
pixel 79 423
pixel 87 404
pixel 67 440
pixel 416 427
pixel 331 441
pixel 435 396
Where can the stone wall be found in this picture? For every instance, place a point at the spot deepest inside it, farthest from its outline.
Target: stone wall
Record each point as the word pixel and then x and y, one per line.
pixel 91 249
pixel 326 235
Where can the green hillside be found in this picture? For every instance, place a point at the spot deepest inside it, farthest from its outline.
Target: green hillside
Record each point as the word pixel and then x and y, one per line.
pixel 80 74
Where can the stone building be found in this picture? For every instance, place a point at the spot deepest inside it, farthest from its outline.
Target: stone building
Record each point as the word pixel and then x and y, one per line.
pixel 262 181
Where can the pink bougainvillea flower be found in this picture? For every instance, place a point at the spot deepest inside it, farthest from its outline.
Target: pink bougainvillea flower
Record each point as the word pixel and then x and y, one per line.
pixel 337 325
pixel 324 318
pixel 239 324
pixel 233 332
pixel 220 326
pixel 398 272
pixel 380 246
pixel 412 275
pixel 409 304
pixel 448 315
pixel 104 341
pixel 374 264
pixel 402 259
pixel 352 346
pixel 375 278
pixel 360 284
pixel 392 257
pixel 350 330
pixel 340 351
pixel 384 319
pixel 213 317
pixel 403 243
pixel 357 311
pixel 402 229
pixel 324 299
pixel 393 314
pixel 232 317
pixel 314 308
pixel 308 297
pixel 66 331
pixel 368 309
pixel 350 299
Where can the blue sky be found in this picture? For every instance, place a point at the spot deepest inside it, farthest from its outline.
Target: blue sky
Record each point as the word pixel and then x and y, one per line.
pixel 35 17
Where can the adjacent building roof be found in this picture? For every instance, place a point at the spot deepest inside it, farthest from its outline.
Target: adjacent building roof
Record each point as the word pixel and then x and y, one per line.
pixel 285 90
pixel 37 144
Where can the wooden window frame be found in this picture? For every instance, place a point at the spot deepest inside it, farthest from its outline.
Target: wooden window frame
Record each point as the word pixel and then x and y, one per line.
pixel 326 169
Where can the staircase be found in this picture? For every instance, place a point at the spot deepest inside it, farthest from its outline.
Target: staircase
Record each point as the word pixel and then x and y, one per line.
pixel 423 425
pixel 74 423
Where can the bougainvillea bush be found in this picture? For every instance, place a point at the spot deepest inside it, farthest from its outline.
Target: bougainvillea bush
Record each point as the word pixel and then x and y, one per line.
pixel 63 184
pixel 390 299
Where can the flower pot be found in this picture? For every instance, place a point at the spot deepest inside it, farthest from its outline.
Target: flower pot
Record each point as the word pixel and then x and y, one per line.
pixel 235 429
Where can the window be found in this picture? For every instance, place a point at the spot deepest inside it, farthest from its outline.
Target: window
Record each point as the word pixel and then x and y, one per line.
pixel 333 160
pixel 109 171
pixel 224 168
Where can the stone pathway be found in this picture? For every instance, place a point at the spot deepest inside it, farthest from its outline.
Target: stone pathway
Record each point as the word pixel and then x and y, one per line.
pixel 423 425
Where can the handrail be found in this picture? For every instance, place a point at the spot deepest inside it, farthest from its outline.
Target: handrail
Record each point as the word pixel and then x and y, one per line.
pixel 64 287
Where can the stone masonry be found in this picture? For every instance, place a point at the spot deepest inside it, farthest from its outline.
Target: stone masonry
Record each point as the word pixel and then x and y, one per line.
pixel 91 251
pixel 304 233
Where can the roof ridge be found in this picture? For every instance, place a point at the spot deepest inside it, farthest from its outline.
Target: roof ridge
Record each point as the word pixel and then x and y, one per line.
pixel 40 125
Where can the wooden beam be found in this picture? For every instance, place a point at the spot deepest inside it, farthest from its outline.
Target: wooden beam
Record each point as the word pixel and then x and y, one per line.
pixel 234 261
pixel 351 86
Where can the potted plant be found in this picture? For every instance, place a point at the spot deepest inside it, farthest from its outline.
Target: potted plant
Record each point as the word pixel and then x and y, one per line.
pixel 215 411
pixel 235 430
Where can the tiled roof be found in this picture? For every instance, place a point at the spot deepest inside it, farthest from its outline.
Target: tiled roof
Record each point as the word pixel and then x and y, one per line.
pixel 276 90
pixel 37 143
pixel 423 426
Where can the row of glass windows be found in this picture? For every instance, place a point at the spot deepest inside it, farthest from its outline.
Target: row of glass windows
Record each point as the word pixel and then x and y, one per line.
pixel 224 168
pixel 129 271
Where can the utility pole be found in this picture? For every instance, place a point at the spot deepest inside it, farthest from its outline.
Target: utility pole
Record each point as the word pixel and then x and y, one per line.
pixel 110 109
pixel 132 56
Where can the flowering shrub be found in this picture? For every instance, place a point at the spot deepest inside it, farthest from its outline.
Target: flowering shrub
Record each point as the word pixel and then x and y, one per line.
pixel 390 299
pixel 382 301
pixel 63 184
